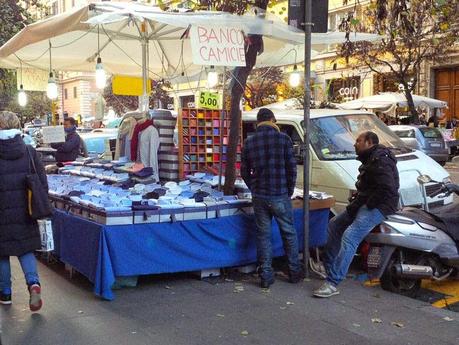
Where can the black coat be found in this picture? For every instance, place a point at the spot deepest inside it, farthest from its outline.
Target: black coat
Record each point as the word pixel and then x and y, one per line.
pixel 378 182
pixel 18 232
pixel 68 151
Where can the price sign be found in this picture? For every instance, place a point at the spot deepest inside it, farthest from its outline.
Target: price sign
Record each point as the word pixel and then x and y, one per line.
pixel 208 100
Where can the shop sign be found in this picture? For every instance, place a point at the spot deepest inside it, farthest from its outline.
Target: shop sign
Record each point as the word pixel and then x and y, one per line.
pixel 33 79
pixel 208 100
pixel 128 86
pixel 349 91
pixel 53 134
pixel 217 46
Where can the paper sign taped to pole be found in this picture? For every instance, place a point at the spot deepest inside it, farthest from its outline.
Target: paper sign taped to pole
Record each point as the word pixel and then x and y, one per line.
pixel 217 46
pixel 53 134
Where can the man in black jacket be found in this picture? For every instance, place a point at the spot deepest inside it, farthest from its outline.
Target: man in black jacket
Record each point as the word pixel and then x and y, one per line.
pixel 68 151
pixel 377 196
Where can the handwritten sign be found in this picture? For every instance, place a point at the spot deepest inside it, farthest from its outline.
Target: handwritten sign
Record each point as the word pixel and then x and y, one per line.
pixel 53 134
pixel 217 46
pixel 33 79
pixel 208 100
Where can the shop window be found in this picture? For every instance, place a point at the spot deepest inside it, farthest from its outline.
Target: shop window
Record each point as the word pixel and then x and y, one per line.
pixel 344 89
pixel 65 94
pixel 75 92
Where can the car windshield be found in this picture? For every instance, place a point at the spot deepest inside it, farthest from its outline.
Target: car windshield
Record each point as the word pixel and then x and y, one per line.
pixel 333 137
pixel 430 133
pixel 405 133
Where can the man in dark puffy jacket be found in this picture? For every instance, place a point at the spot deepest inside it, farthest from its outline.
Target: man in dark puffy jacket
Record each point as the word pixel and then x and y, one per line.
pixel 68 151
pixel 377 196
pixel 269 170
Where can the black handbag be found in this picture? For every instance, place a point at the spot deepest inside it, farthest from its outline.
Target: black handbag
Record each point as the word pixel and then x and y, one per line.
pixel 37 198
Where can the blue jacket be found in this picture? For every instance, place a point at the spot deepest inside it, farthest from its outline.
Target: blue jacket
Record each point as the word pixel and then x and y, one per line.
pixel 268 164
pixel 68 151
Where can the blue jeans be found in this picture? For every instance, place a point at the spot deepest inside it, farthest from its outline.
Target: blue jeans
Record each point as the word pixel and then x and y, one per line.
pixel 344 237
pixel 281 209
pixel 29 267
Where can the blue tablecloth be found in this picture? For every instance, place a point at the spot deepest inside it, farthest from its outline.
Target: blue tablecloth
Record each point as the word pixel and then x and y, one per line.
pixel 102 252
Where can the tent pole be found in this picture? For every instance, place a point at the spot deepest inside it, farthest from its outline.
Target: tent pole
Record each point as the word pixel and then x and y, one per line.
pixel 222 127
pixel 307 111
pixel 143 100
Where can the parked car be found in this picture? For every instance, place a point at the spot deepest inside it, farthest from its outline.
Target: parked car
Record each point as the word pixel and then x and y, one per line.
pixel 334 167
pixel 96 142
pixel 426 139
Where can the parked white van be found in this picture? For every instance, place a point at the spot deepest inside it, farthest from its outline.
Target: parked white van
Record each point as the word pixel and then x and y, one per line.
pixel 334 168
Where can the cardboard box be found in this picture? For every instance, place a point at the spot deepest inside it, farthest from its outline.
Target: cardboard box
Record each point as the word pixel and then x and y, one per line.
pixel 195 213
pixel 146 216
pixel 170 215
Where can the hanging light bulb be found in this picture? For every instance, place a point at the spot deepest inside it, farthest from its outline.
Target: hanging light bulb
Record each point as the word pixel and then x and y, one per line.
pixel 212 77
pixel 295 77
pixel 51 89
pixel 22 97
pixel 101 78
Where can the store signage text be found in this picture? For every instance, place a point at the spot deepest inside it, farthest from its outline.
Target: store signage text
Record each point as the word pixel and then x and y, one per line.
pixel 349 91
pixel 217 46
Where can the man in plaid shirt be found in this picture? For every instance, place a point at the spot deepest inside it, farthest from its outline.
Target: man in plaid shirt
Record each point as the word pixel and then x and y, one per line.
pixel 269 170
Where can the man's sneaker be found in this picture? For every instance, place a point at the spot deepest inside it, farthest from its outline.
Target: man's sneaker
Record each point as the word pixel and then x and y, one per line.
pixel 318 268
pixel 5 298
pixel 326 290
pixel 35 301
pixel 266 283
pixel 295 277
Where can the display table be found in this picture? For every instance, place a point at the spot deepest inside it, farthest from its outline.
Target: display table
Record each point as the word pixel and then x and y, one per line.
pixel 102 252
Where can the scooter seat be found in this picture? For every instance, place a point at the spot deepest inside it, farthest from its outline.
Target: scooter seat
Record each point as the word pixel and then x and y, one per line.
pixel 422 216
pixel 449 215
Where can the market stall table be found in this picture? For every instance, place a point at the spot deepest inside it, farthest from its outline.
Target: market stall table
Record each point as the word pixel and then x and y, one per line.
pixel 104 252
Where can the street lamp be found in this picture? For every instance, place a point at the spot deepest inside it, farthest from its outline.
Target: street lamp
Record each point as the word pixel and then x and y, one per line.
pixel 101 78
pixel 212 77
pixel 295 77
pixel 22 97
pixel 51 88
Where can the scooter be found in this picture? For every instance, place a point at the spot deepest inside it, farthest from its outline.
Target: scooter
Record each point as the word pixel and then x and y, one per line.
pixel 416 244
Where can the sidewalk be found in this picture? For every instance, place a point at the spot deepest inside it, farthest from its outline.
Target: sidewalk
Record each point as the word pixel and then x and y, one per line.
pixel 179 309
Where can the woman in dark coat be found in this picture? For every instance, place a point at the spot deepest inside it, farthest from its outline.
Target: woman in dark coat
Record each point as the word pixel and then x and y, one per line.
pixel 19 234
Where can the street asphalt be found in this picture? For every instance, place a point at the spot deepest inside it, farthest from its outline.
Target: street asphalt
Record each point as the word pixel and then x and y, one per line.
pixel 180 309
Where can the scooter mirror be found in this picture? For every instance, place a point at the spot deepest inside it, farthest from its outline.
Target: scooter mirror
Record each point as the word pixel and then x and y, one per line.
pixel 423 179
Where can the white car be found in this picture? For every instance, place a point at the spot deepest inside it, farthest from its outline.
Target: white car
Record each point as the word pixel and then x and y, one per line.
pixel 334 168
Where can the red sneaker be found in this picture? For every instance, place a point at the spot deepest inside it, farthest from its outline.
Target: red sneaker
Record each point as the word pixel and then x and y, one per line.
pixel 35 302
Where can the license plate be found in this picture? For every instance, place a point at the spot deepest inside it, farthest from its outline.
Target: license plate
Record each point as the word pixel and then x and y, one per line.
pixel 374 257
pixel 435 144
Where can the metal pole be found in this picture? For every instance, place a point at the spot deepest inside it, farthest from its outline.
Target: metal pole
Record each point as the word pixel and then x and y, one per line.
pixel 307 110
pixel 143 105
pixel 222 127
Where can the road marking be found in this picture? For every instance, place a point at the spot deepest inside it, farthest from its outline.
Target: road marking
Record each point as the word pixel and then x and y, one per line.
pixel 447 287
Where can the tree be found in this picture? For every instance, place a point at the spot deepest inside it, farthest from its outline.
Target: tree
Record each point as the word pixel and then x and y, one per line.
pixel 261 88
pixel 13 18
pixel 414 31
pixel 37 106
pixel 122 104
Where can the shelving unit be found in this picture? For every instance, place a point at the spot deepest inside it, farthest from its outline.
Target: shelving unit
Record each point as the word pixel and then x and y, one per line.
pixel 200 140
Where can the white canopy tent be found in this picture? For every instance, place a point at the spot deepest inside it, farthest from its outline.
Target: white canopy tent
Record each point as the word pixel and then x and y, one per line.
pixel 388 100
pixel 74 37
